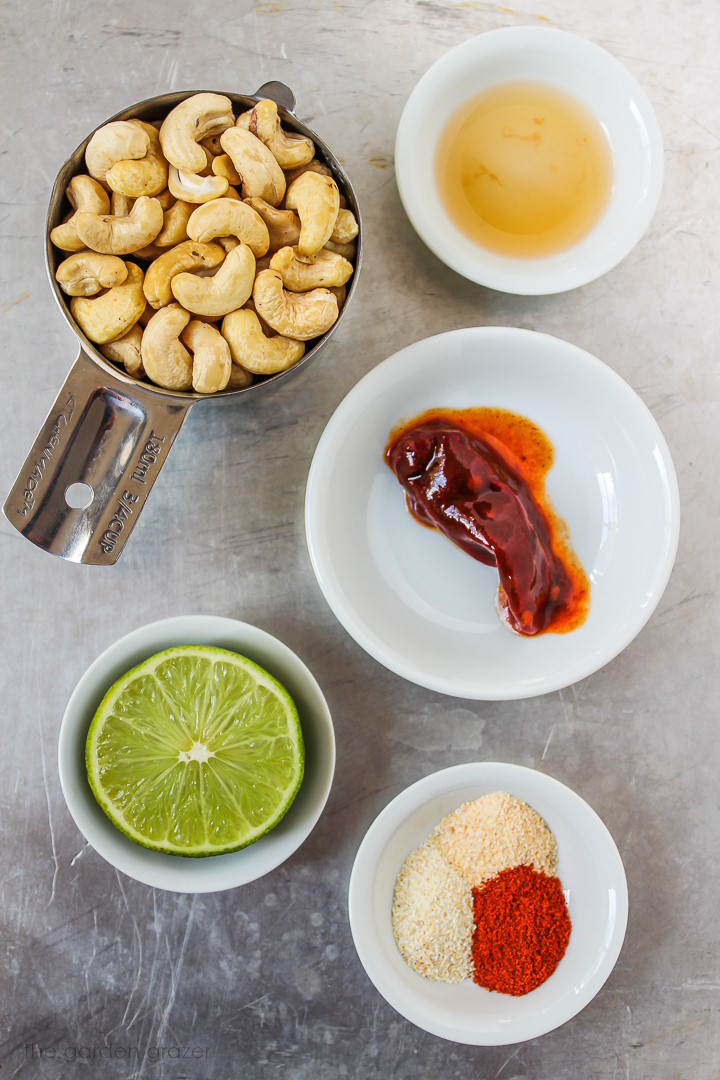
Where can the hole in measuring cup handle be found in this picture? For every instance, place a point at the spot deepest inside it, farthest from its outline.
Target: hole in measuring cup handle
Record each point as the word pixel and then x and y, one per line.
pixel 78 496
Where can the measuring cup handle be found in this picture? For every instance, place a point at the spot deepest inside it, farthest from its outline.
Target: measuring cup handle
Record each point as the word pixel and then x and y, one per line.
pixel 281 94
pixel 92 466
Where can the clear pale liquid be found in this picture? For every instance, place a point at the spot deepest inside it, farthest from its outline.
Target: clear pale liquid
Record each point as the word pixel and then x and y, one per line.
pixel 524 169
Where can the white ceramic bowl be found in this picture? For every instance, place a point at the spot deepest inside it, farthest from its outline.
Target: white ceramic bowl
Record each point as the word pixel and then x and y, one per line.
pixel 421 606
pixel 594 883
pixel 576 66
pixel 216 872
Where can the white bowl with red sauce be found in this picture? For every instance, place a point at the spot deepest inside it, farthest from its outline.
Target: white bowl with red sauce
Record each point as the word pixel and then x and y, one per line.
pixel 596 83
pixel 424 608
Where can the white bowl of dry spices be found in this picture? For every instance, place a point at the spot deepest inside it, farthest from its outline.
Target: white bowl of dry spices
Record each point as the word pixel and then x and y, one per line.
pixel 488 903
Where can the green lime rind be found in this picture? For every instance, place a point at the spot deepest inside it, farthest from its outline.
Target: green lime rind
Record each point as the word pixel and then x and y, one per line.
pixel 196 751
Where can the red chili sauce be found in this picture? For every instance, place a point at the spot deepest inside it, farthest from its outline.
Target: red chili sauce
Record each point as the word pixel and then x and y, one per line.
pixel 478 477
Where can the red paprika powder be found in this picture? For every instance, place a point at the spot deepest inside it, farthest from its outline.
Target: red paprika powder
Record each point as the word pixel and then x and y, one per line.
pixel 522 928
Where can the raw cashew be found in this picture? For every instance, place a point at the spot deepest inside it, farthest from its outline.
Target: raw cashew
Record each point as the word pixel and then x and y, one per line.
pixel 120 205
pixel 165 359
pixel 239 379
pixel 182 257
pixel 212 145
pixel 126 351
pixel 166 199
pixel 228 289
pixel 175 220
pixel 346 227
pixel 296 315
pixel 262 177
pixel 193 188
pixel 339 292
pixel 194 119
pixel 83 193
pixel 144 176
pixel 149 253
pixel 317 201
pixel 211 357
pixel 85 273
pixel 255 352
pixel 302 272
pixel 121 235
pixel 346 250
pixel 222 166
pixel 288 149
pixel 121 140
pixel 283 225
pixel 108 316
pixel 225 217
pixel 312 166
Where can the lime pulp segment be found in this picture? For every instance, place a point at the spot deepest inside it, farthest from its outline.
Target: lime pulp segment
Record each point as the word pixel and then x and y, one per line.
pixel 196 751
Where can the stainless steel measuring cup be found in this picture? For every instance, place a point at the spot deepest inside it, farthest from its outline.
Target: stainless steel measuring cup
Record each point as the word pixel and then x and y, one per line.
pixel 106 438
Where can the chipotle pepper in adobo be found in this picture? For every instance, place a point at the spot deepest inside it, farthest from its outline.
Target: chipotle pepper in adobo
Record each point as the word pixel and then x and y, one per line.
pixel 477 476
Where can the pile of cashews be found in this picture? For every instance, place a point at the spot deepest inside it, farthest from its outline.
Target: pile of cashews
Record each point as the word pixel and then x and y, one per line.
pixel 240 242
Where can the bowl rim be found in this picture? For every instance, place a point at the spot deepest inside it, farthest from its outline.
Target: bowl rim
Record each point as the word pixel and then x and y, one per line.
pixel 179 873
pixel 411 801
pixel 527 276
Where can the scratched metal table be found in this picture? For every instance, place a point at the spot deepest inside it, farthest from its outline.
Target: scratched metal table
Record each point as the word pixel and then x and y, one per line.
pixel 101 974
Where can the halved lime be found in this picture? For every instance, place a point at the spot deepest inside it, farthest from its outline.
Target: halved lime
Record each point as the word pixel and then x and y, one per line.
pixel 196 751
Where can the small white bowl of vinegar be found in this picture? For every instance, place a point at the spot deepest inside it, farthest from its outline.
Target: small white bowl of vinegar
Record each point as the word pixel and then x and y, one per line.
pixel 529 160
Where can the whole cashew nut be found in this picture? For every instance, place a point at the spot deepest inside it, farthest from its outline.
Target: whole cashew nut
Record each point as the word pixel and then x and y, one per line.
pixel 194 119
pixel 181 258
pixel 165 359
pixel 262 177
pixel 346 227
pixel 225 217
pixel 194 188
pixel 228 289
pixel 126 351
pixel 239 379
pixel 175 220
pixel 222 166
pixel 300 273
pixel 296 315
pixel 121 140
pixel 120 205
pixel 121 235
pixel 86 272
pixel 212 362
pixel 212 144
pixel 312 166
pixel 255 352
pixel 317 201
pixel 346 250
pixel 107 317
pixel 144 176
pixel 166 199
pixel 283 225
pixel 288 149
pixel 84 194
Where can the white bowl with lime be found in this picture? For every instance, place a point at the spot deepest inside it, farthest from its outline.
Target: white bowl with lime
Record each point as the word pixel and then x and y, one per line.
pixel 196 754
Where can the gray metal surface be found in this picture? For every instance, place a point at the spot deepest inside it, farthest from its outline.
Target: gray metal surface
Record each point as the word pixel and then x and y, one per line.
pixel 102 976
